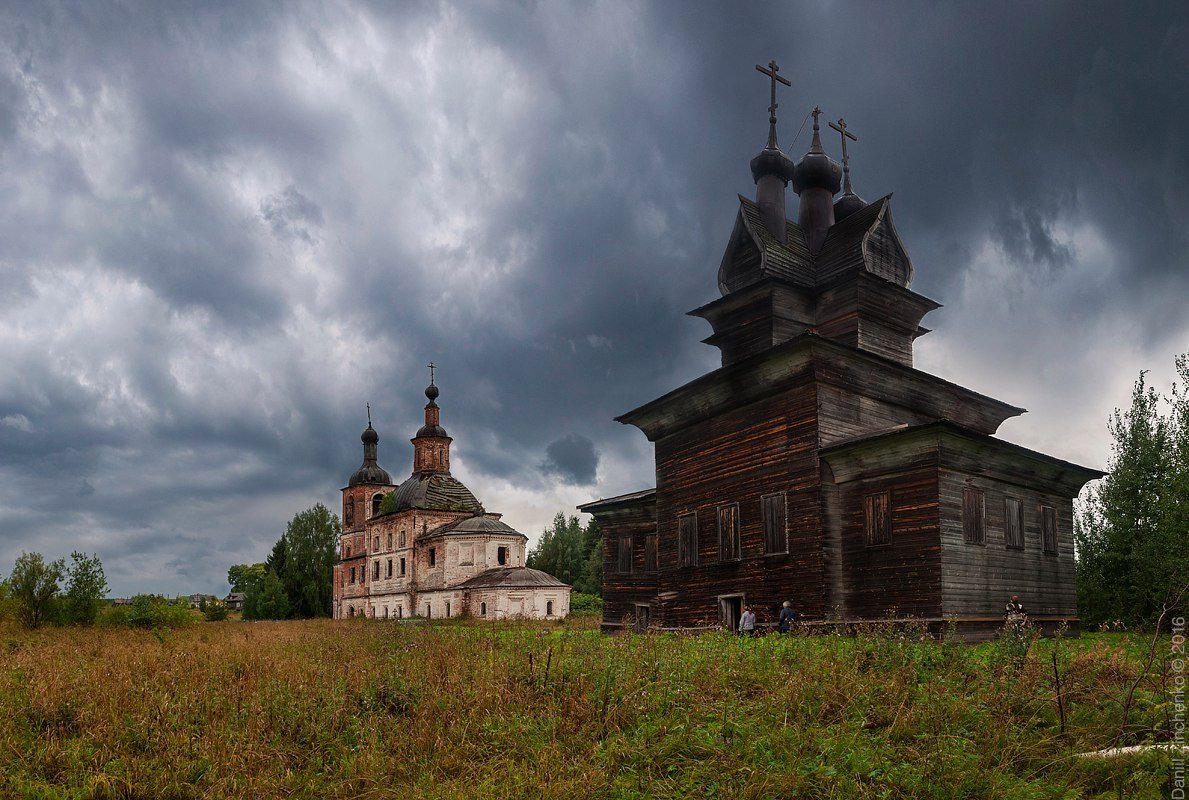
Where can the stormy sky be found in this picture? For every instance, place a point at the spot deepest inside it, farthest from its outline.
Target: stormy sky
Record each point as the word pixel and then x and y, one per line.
pixel 225 228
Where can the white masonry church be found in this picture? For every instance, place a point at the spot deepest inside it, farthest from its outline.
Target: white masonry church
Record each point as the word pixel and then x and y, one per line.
pixel 427 548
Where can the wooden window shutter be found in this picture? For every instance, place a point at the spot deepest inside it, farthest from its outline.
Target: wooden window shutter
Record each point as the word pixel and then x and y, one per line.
pixel 974 516
pixel 650 560
pixel 1048 528
pixel 877 518
pixel 1013 523
pixel 774 509
pixel 687 540
pixel 625 554
pixel 728 532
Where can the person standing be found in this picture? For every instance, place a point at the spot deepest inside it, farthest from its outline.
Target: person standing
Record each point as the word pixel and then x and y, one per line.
pixel 787 617
pixel 747 622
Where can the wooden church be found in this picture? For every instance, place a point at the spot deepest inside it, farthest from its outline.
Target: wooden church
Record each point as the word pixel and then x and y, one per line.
pixel 817 465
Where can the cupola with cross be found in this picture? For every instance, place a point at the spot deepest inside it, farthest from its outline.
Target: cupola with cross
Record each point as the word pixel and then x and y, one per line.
pixel 431 445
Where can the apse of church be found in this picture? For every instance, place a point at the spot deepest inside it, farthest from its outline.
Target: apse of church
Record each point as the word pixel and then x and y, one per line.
pixel 427 547
pixel 817 465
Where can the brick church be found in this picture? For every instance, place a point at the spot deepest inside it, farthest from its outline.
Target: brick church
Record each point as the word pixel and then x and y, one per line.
pixel 817 465
pixel 427 547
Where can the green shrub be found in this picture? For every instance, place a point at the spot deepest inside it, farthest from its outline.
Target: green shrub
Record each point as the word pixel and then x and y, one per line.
pixel 214 611
pixel 581 603
pixel 149 611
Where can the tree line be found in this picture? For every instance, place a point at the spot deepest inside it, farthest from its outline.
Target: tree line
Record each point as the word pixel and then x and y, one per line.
pixel 35 594
pixel 1130 529
pixel 296 579
pixel 572 553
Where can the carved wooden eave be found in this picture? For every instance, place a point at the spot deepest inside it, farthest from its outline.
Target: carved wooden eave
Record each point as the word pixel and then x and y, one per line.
pixel 634 506
pixel 811 358
pixel 950 445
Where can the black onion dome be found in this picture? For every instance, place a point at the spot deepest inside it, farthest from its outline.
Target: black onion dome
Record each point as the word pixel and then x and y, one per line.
pixel 370 473
pixel 431 430
pixel 771 161
pixel 848 204
pixel 370 436
pixel 436 491
pixel 431 392
pixel 816 170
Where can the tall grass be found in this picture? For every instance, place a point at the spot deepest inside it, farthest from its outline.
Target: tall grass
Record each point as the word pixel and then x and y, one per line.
pixel 462 709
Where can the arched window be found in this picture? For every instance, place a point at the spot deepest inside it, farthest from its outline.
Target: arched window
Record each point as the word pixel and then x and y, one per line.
pixel 501 556
pixel 349 511
pixel 377 548
pixel 376 500
pixel 400 612
pixel 385 612
pixel 402 538
pixel 433 556
pixel 549 608
pixel 348 552
pixel 389 541
pixel 428 611
pixel 447 609
pixel 483 609
pixel 350 611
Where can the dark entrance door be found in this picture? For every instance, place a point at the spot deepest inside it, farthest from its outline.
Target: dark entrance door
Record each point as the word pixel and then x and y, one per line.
pixel 643 618
pixel 730 609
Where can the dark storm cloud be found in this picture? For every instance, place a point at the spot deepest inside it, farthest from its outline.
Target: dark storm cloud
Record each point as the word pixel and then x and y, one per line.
pixel 572 459
pixel 223 228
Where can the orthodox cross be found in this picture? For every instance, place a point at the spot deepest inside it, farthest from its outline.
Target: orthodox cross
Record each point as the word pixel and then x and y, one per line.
pixel 841 128
pixel 432 367
pixel 369 414
pixel 771 73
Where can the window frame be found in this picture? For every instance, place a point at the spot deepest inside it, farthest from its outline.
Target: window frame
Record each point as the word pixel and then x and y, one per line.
pixel 1050 541
pixel 730 545
pixel 974 520
pixel 877 526
pixel 773 534
pixel 623 555
pixel 1010 543
pixel 687 539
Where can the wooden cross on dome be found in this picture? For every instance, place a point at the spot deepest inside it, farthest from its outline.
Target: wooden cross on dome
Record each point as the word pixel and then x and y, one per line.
pixel 841 128
pixel 771 73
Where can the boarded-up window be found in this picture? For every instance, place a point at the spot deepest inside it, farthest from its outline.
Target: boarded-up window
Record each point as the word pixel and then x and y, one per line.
pixel 877 518
pixel 1048 528
pixel 650 559
pixel 974 516
pixel 624 564
pixel 1013 523
pixel 728 532
pixel 773 510
pixel 687 540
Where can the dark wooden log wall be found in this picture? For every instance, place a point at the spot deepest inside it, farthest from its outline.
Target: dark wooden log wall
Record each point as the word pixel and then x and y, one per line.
pixel 621 592
pixel 737 457
pixel 904 575
pixel 977 580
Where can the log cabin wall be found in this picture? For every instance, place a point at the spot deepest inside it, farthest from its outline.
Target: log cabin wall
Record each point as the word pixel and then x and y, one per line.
pixel 901 575
pixel 739 456
pixel 979 578
pixel 624 591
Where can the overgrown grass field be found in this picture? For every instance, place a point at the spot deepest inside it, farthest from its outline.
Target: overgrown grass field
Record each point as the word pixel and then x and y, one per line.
pixel 460 709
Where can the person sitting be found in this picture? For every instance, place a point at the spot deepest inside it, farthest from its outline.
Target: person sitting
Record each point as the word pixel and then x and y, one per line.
pixel 1014 612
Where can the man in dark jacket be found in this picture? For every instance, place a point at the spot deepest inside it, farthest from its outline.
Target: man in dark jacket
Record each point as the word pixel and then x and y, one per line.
pixel 787 617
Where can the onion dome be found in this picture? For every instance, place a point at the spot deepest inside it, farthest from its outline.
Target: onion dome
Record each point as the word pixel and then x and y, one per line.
pixel 848 204
pixel 816 170
pixel 370 471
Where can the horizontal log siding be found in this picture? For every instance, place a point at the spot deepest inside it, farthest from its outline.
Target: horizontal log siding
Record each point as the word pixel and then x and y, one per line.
pixel 978 580
pixel 904 575
pixel 621 592
pixel 737 457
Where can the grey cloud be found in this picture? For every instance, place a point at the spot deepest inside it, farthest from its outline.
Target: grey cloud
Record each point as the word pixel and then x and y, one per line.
pixel 572 459
pixel 570 184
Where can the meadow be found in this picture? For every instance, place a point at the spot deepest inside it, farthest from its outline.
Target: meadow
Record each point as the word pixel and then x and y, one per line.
pixel 462 709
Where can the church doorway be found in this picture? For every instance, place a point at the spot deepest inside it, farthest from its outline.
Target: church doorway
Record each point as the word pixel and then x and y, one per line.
pixel 643 617
pixel 730 608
